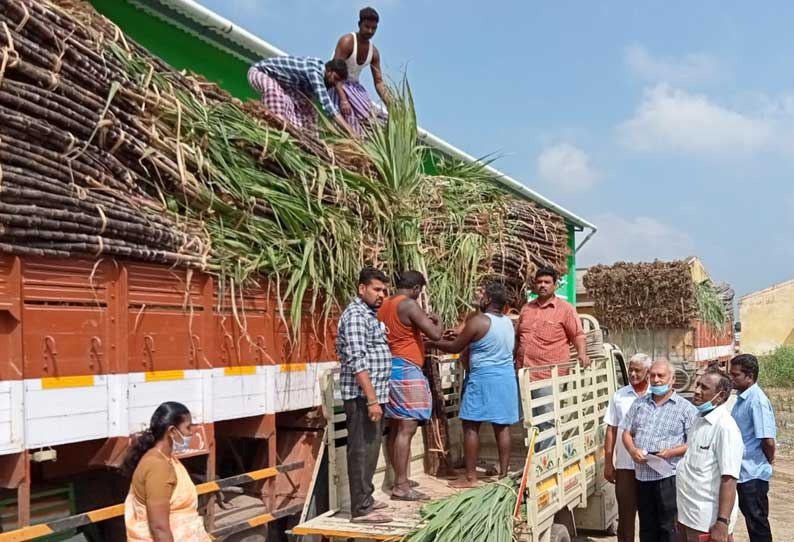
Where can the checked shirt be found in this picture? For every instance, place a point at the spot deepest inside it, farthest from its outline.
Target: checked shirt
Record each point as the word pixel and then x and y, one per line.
pixel 361 346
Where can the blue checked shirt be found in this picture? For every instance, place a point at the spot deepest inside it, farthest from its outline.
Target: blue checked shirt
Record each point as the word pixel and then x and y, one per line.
pixel 361 346
pixel 306 74
pixel 756 420
pixel 657 427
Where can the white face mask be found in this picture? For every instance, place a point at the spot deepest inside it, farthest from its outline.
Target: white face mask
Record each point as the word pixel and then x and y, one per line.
pixel 181 447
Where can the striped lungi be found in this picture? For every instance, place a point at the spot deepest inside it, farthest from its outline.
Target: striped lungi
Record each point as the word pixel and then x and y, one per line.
pixel 288 103
pixel 409 392
pixel 359 102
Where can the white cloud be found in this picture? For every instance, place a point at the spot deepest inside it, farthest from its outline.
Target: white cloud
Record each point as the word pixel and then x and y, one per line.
pixel 568 167
pixel 640 238
pixel 691 68
pixel 670 119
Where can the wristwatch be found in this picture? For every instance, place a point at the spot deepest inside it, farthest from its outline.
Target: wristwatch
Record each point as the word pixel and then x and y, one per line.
pixel 723 520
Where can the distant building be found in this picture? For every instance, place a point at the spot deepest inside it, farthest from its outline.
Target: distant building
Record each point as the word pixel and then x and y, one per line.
pixel 767 318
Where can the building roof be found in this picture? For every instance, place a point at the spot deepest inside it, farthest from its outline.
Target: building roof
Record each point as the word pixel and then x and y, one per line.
pixel 234 40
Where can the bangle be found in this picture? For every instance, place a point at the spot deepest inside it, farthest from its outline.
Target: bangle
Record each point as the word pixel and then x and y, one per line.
pixel 372 403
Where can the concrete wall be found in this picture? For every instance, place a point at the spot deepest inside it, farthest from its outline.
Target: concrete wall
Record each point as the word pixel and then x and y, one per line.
pixel 767 318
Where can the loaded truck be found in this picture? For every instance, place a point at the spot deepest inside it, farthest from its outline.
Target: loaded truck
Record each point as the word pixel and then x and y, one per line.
pixel 566 489
pixel 654 308
pixel 109 305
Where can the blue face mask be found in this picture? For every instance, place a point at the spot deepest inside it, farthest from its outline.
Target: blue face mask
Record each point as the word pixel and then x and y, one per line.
pixel 660 390
pixel 706 407
pixel 181 447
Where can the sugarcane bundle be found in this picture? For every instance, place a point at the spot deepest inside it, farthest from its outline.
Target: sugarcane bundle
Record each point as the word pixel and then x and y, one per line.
pixel 482 514
pixel 652 295
pixel 106 150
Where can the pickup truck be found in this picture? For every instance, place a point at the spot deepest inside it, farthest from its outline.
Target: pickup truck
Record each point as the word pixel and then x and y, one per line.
pixel 565 492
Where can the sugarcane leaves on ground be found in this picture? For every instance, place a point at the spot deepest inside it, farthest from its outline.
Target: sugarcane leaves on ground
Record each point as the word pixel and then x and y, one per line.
pixel 481 514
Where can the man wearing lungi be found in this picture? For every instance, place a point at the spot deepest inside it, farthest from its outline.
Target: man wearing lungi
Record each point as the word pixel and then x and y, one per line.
pixel 491 391
pixel 357 51
pixel 288 85
pixel 410 401
pixel 365 363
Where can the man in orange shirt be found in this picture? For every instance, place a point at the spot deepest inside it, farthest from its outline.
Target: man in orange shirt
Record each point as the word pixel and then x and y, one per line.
pixel 410 401
pixel 546 328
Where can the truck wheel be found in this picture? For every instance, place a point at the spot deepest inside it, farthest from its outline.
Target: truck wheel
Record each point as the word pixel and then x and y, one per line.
pixel 559 533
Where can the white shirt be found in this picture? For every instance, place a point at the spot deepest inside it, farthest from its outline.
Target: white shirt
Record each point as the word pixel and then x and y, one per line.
pixel 715 450
pixel 619 405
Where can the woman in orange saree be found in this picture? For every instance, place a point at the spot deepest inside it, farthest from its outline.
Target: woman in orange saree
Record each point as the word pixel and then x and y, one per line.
pixel 162 505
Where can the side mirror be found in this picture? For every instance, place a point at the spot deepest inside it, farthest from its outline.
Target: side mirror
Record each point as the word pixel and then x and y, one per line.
pixel 737 327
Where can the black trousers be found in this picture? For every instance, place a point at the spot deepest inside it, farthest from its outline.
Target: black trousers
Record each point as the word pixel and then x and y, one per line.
pixel 754 504
pixel 363 448
pixel 657 510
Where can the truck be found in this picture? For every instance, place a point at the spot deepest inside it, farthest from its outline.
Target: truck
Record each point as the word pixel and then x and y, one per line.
pixel 566 489
pixel 91 341
pixel 690 343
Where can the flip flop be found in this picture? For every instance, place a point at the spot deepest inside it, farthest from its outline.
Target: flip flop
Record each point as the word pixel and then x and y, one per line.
pixel 373 518
pixel 412 496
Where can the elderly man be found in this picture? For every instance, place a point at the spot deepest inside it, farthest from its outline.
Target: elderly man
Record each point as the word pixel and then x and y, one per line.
pixel 620 470
pixel 756 420
pixel 706 477
pixel 654 433
pixel 365 360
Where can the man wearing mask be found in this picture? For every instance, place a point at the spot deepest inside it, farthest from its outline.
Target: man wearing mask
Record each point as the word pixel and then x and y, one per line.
pixel 620 470
pixel 657 425
pixel 756 420
pixel 365 362
pixel 706 477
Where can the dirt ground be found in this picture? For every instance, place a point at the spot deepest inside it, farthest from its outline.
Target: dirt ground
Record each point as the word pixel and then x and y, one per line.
pixel 781 487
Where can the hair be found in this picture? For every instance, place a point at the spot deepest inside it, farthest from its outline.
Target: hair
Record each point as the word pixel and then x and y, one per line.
pixel 368 14
pixel 667 362
pixel 748 363
pixel 497 293
pixel 169 414
pixel 724 383
pixel 337 66
pixel 368 274
pixel 547 271
pixel 642 359
pixel 410 279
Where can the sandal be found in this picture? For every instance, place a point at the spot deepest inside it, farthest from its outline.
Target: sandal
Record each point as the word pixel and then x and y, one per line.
pixel 373 518
pixel 412 496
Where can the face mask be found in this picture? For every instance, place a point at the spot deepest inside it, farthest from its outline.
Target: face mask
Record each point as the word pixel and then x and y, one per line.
pixel 660 390
pixel 707 407
pixel 181 447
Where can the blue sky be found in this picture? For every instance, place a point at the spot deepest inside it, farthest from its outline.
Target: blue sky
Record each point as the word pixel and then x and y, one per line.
pixel 670 125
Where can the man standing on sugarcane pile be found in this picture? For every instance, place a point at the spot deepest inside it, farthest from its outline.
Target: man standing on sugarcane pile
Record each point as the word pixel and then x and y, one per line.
pixel 756 420
pixel 289 83
pixel 357 51
pixel 619 470
pixel 546 328
pixel 410 402
pixel 655 435
pixel 365 362
pixel 706 477
pixel 490 391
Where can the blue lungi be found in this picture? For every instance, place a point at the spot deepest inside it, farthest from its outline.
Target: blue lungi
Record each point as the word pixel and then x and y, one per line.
pixel 490 395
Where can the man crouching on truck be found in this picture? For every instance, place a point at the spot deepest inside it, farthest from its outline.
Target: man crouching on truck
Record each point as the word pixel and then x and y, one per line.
pixel 365 362
pixel 491 390
pixel 410 401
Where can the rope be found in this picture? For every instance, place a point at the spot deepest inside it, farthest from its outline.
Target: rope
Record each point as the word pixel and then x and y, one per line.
pixel 104 219
pixel 101 246
pixel 118 142
pixel 8 50
pixel 25 17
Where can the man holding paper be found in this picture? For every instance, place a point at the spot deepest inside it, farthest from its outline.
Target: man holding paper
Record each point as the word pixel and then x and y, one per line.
pixel 654 433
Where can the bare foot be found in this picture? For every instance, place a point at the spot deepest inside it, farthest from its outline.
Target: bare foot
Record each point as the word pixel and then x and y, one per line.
pixel 372 518
pixel 464 483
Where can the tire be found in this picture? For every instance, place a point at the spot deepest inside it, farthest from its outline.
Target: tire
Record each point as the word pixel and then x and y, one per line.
pixel 559 533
